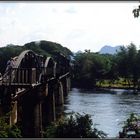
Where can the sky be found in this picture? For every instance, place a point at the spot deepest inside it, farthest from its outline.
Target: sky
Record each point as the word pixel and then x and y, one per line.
pixel 75 25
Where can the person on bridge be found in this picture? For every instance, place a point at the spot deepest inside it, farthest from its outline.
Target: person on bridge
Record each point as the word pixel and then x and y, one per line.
pixel 10 65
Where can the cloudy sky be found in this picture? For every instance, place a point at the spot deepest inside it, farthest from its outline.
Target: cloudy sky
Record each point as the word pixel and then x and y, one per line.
pixel 75 25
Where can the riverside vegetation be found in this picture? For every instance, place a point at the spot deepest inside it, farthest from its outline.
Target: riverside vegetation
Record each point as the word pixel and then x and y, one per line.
pixel 105 70
pixel 74 126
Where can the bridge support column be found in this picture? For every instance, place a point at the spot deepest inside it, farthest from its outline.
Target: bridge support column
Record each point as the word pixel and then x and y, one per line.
pixel 60 94
pixel 31 114
pixel 59 99
pixel 38 120
pixel 13 115
pixel 68 83
pixel 48 107
pixel 65 86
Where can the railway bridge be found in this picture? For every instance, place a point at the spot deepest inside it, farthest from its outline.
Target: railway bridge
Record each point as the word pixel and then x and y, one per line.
pixel 33 90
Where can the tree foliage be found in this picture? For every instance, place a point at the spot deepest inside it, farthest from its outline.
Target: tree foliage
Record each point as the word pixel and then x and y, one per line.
pixel 128 64
pixel 74 126
pixel 131 127
pixel 92 68
pixel 7 131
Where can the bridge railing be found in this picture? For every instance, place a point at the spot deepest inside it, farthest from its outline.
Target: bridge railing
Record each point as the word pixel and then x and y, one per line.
pixel 20 76
pixel 30 76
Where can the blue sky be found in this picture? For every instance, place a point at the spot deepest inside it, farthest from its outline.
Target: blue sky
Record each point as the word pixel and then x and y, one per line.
pixel 75 25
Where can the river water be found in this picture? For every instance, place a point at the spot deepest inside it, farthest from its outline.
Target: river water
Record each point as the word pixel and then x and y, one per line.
pixel 108 108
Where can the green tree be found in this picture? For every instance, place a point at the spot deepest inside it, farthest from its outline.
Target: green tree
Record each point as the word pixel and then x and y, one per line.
pixel 91 67
pixel 127 66
pixel 74 126
pixel 131 125
pixel 132 54
pixel 7 131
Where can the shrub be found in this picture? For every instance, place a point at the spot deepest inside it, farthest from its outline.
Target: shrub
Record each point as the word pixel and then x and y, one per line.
pixel 74 126
pixel 7 131
pixel 131 128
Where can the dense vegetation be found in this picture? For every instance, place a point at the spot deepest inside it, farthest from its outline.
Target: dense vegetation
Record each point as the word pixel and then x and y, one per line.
pixel 121 69
pixel 131 127
pixel 74 126
pixel 7 131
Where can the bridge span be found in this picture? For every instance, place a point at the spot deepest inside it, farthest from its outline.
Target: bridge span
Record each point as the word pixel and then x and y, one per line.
pixel 33 90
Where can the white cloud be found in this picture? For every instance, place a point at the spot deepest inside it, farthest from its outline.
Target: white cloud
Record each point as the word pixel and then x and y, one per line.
pixel 76 25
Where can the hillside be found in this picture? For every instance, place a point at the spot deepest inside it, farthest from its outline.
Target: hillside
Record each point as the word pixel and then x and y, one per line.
pixel 46 48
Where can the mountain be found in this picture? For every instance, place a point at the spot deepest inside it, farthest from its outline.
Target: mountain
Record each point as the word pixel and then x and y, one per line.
pixel 109 49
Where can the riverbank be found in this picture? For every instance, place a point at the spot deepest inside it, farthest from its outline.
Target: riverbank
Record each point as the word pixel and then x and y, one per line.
pixel 118 87
pixel 108 87
pixel 120 83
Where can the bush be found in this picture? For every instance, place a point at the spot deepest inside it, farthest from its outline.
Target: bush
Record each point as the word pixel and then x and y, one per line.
pixel 74 126
pixel 7 131
pixel 131 128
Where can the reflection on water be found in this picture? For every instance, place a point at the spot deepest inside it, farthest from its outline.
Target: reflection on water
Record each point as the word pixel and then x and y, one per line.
pixel 108 108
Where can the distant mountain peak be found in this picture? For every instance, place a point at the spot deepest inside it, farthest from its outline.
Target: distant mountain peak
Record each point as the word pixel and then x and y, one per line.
pixel 109 49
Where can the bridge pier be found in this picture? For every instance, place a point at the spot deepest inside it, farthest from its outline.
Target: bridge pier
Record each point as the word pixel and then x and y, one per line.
pixel 51 106
pixel 38 120
pixel 59 95
pixel 30 117
pixel 66 85
pixel 13 115
pixel 48 107
pixel 27 118
pixel 59 99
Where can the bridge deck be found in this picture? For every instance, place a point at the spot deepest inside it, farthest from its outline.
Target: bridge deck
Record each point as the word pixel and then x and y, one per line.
pixel 22 85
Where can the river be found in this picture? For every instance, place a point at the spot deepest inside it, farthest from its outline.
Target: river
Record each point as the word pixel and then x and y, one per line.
pixel 108 108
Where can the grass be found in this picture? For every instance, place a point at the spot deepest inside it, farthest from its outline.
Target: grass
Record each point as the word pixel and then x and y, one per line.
pixel 120 83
